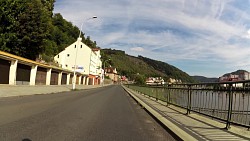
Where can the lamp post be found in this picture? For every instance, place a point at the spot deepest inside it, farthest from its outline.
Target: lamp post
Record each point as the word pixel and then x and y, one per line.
pixel 79 39
pixel 104 70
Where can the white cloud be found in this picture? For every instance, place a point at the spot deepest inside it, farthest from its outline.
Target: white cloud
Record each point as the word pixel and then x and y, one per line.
pixel 213 31
pixel 138 49
pixel 247 35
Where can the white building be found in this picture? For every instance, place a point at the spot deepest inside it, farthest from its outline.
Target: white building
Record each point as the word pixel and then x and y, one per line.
pixel 95 66
pixel 174 81
pixel 87 61
pixel 155 81
pixel 246 75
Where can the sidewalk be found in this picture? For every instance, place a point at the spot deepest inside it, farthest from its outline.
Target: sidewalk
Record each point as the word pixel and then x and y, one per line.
pixel 20 90
pixel 189 127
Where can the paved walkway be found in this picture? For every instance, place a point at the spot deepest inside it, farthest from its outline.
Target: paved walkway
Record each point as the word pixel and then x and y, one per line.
pixel 20 90
pixel 189 127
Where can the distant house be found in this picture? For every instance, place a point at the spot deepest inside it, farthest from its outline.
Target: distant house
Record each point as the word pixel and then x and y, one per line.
pixel 155 81
pixel 174 81
pixel 82 59
pixel 150 81
pixel 124 78
pixel 230 77
pixel 235 77
pixel 112 74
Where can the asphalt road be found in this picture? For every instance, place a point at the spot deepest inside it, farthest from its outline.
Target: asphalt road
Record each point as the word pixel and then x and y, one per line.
pixel 102 114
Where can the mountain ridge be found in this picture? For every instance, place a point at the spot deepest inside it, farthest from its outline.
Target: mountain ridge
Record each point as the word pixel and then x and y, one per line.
pixel 204 79
pixel 142 67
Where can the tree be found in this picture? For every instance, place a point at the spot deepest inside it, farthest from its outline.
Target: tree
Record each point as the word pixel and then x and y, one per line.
pixel 49 6
pixel 8 24
pixel 25 25
pixel 139 79
pixel 89 42
pixel 29 29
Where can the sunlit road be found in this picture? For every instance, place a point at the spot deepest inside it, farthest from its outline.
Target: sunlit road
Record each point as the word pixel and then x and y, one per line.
pixel 102 114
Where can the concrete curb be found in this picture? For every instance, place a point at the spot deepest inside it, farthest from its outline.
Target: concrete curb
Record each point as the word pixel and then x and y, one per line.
pixel 178 131
pixel 24 90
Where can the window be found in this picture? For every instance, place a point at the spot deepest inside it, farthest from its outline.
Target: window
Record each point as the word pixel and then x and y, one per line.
pixel 75 46
pixel 66 65
pixel 68 55
pixel 57 56
pixel 81 46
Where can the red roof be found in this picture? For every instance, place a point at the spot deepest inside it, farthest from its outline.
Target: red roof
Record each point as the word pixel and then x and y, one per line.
pixel 96 49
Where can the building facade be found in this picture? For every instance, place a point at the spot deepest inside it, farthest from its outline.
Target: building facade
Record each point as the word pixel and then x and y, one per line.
pixel 235 77
pixel 112 74
pixel 155 81
pixel 16 70
pixel 95 73
pixel 80 58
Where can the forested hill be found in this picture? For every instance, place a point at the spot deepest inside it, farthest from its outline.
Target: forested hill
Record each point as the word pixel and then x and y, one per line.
pixel 142 67
pixel 167 69
pixel 204 79
pixel 30 29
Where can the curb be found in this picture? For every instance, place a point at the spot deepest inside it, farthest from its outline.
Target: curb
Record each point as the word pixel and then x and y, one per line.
pixel 19 90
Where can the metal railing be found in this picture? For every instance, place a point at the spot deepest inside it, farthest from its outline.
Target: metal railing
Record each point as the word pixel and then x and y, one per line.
pixel 228 101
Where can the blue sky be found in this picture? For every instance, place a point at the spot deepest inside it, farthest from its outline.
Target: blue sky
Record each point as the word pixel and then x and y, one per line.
pixel 200 37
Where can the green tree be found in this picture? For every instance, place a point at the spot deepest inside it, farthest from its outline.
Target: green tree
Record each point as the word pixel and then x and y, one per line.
pixel 25 26
pixel 29 29
pixel 8 24
pixel 139 79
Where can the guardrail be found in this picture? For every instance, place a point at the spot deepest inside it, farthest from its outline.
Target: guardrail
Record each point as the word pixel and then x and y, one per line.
pixel 228 101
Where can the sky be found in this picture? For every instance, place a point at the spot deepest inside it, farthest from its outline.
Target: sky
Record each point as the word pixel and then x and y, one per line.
pixel 200 37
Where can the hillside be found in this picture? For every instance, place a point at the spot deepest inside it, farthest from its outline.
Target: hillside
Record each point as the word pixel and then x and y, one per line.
pixel 142 67
pixel 205 79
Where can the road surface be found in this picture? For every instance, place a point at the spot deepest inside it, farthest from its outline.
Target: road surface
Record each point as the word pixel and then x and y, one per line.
pixel 101 114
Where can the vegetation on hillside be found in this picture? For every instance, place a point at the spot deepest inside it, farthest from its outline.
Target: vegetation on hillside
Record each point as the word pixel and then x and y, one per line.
pixel 204 79
pixel 168 70
pixel 139 68
pixel 28 28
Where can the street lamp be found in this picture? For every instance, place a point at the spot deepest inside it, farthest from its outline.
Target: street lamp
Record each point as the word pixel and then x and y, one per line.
pixel 94 17
pixel 79 39
pixel 104 70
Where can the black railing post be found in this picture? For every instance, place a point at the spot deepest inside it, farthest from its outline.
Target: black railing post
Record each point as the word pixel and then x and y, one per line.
pixel 156 95
pixel 189 100
pixel 168 94
pixel 230 106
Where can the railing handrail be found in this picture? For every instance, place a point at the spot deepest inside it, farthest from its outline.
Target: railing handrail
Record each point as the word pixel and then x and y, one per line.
pixel 192 84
